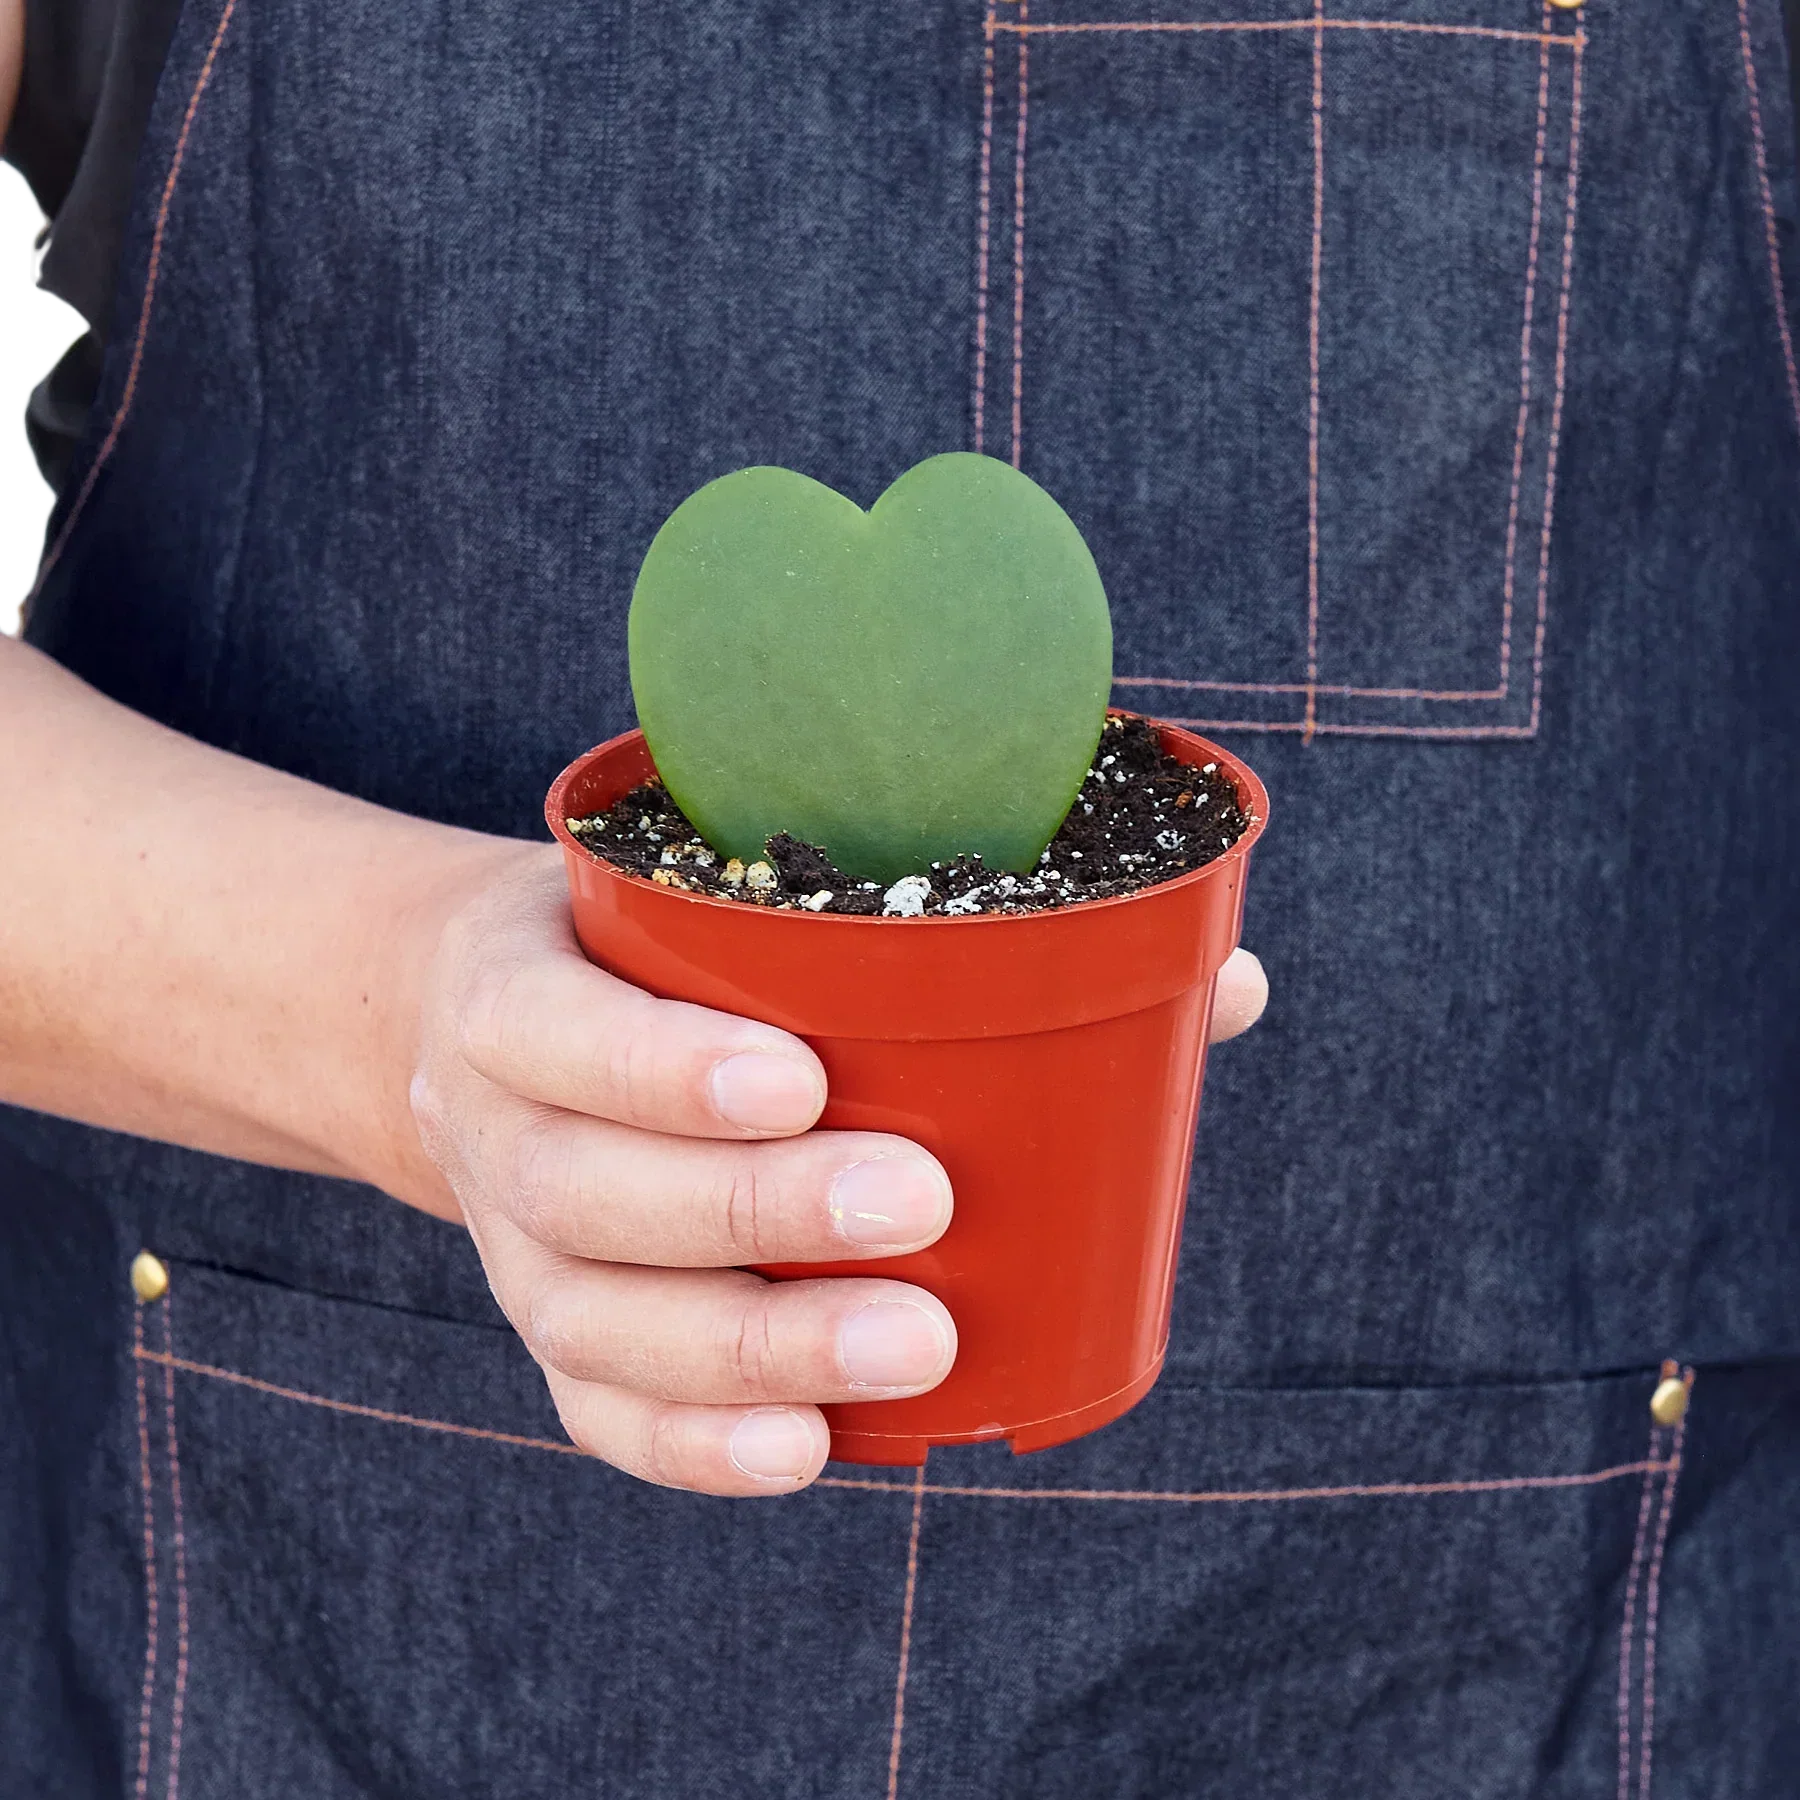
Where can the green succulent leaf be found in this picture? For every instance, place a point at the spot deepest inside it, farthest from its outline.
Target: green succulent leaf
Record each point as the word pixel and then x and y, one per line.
pixel 896 686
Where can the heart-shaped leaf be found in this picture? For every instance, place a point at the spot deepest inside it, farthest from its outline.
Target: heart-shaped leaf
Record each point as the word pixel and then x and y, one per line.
pixel 896 686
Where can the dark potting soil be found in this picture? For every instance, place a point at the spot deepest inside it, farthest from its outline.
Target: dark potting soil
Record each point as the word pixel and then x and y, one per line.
pixel 1141 817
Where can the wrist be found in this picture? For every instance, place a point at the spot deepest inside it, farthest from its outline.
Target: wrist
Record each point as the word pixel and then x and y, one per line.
pixel 424 886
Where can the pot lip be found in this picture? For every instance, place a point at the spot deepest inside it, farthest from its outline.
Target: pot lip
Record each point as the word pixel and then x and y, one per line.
pixel 1249 785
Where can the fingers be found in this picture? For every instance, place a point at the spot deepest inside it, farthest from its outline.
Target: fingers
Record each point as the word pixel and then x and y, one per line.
pixel 548 1025
pixel 724 1450
pixel 538 1020
pixel 590 1188
pixel 723 1337
pixel 618 1157
pixel 710 1380
pixel 602 1147
pixel 1240 997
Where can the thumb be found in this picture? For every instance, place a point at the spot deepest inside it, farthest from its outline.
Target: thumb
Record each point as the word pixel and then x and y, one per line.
pixel 1242 993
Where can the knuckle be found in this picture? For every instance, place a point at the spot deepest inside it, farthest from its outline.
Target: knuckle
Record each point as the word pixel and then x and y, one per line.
pixel 740 1201
pixel 630 1070
pixel 552 1331
pixel 486 1024
pixel 540 1173
pixel 668 1449
pixel 751 1357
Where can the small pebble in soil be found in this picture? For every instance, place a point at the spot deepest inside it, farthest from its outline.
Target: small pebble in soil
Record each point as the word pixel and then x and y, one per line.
pixel 1141 818
pixel 907 898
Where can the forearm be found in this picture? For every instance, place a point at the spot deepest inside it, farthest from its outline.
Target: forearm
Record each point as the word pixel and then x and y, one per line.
pixel 197 948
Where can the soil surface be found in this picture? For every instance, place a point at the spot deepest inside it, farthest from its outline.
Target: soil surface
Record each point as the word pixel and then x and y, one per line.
pixel 1141 817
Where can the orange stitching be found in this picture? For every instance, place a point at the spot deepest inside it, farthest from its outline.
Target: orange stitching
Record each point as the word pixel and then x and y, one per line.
pixel 981 259
pixel 1375 1491
pixel 143 1406
pixel 1312 363
pixel 1221 687
pixel 1768 208
pixel 1531 275
pixel 1387 1490
pixel 1638 1545
pixel 1324 729
pixel 1336 690
pixel 1309 725
pixel 906 1617
pixel 346 1406
pixel 181 1597
pixel 1556 408
pixel 1018 368
pixel 1422 30
pixel 1652 1594
pixel 104 454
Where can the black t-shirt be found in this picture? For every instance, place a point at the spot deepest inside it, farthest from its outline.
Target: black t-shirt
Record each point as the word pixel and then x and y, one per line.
pixel 90 74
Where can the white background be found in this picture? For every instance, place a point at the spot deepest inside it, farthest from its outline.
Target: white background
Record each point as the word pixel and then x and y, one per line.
pixel 34 332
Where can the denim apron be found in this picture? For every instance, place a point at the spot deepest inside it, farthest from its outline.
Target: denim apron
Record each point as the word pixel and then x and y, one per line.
pixel 1422 375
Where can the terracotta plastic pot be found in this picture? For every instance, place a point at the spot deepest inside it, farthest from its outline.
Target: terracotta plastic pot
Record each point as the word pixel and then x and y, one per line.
pixel 1052 1061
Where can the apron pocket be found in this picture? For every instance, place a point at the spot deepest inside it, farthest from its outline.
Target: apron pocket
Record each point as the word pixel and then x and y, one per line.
pixel 379 1569
pixel 1321 387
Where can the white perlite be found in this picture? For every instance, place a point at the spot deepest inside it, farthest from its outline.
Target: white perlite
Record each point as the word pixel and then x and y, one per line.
pixel 817 902
pixel 906 898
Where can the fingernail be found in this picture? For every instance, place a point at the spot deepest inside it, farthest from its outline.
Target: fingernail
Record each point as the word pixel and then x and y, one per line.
pixel 892 1345
pixel 765 1093
pixel 891 1200
pixel 774 1445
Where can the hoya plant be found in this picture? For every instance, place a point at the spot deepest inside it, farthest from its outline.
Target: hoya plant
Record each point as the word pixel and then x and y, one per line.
pixel 896 686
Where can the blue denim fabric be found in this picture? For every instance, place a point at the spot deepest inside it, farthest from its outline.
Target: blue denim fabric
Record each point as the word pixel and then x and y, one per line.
pixel 1423 380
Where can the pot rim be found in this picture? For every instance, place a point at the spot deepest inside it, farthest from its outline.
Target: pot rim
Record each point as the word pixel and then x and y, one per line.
pixel 1244 778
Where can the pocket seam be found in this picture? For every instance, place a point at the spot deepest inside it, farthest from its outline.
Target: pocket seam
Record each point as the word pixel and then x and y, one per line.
pixel 171 1462
pixel 1650 1466
pixel 1766 196
pixel 1311 690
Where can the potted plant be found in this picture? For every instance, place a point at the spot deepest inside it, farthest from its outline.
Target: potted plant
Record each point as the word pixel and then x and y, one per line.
pixel 878 801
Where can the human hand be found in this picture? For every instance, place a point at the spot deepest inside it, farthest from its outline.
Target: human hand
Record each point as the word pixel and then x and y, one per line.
pixel 617 1156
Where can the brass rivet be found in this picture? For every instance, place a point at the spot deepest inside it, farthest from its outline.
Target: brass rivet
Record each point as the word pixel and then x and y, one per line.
pixel 149 1276
pixel 1668 1405
pixel 1567 5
